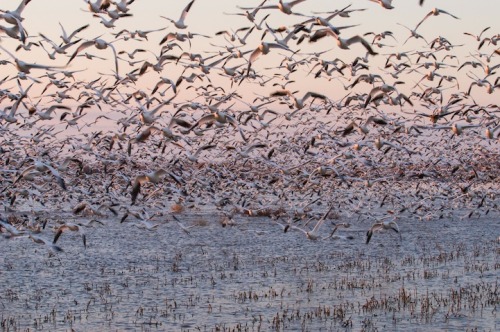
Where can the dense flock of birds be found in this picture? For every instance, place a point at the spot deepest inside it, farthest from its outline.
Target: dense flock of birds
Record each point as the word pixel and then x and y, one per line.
pixel 140 144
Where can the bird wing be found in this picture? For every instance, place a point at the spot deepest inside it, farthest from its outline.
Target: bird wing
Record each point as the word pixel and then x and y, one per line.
pixel 314 95
pixel 322 219
pixel 21 6
pixel 279 93
pixel 79 208
pixel 359 39
pixel 80 48
pixel 293 3
pixel 445 12
pixel 255 54
pixel 60 180
pixel 186 11
pixel 426 16
pixel 204 147
pixel 60 230
pixel 77 30
pixel 116 57
pixel 259 7
pixel 136 189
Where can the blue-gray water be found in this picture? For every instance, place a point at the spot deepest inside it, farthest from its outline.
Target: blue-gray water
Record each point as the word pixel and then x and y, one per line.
pixel 442 275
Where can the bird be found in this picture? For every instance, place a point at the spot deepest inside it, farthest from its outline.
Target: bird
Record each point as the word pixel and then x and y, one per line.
pixel 98 6
pixel 59 49
pixel 123 5
pixel 193 157
pixel 245 153
pixel 83 206
pixel 413 33
pixel 379 225
pixel 148 117
pixel 477 37
pixel 100 44
pixel 69 226
pixel 284 7
pixel 337 226
pixel 387 4
pixel 13 231
pixel 46 114
pixel 184 228
pixel 313 234
pixel 50 244
pixel 343 43
pixel 13 17
pixel 26 67
pixel 67 38
pixel 16 32
pixel 435 12
pixel 380 91
pixel 41 168
pixel 298 102
pixel 153 177
pixel 11 116
pixel 263 49
pixel 180 23
pixel 250 15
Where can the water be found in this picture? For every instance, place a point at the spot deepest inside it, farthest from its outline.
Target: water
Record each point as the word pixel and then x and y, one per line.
pixel 425 153
pixel 441 276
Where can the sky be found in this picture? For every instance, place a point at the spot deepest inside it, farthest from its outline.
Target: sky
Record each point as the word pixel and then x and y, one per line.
pixel 208 16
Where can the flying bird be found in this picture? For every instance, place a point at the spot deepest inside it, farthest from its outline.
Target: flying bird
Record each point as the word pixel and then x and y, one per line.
pixel 180 23
pixel 435 12
pixel 100 44
pixel 284 7
pixel 382 225
pixel 341 42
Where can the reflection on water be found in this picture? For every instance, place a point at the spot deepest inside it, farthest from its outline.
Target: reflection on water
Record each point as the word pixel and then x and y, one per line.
pixel 442 275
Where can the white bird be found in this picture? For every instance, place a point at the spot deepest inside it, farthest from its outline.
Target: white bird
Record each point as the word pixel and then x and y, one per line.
pixel 67 39
pixel 25 67
pixel 15 32
pixel 13 17
pixel 100 44
pixel 337 226
pixel 11 116
pixel 122 5
pixel 194 156
pixel 111 22
pixel 477 37
pixel 82 206
pixel 60 49
pixel 153 177
pixel 144 224
pixel 41 168
pixel 382 225
pixel 413 34
pixel 298 103
pixel 387 4
pixel 68 226
pixel 46 114
pixel 40 240
pixel 98 6
pixel 313 234
pixel 435 12
pixel 251 15
pixel 180 23
pixel 284 7
pixel 13 231
pixel 184 228
pixel 341 42
pixel 263 48
pixel 245 153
